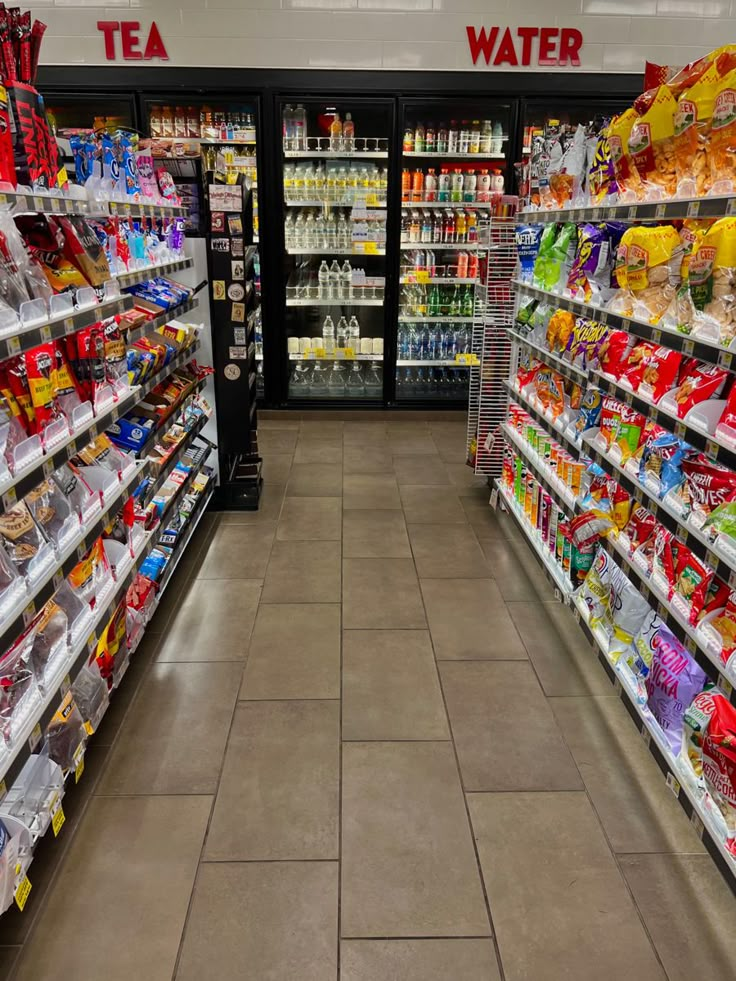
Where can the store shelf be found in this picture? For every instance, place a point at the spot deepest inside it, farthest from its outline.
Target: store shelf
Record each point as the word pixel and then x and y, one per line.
pixel 445 155
pixel 559 492
pixel 58 204
pixel 174 416
pixel 404 319
pixel 177 452
pixel 428 363
pixel 690 346
pixel 342 301
pixel 333 251
pixel 550 425
pixel 148 272
pixel 446 246
pixel 310 356
pixel 161 320
pixel 708 207
pixel 181 546
pixel 578 375
pixel 58 327
pixel 723 564
pixel 42 467
pixel 468 205
pixel 441 280
pixel 336 154
pixel 345 202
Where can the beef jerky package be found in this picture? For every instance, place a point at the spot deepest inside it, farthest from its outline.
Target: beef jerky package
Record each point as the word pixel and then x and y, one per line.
pixel 66 391
pixel 89 360
pixel 89 577
pixel 65 733
pixel 34 147
pixel 23 539
pixel 74 488
pixel 45 242
pixel 40 367
pixel 50 630
pixel 101 452
pixel 84 250
pixel 52 511
pixel 116 358
pixel 7 163
pixel 16 681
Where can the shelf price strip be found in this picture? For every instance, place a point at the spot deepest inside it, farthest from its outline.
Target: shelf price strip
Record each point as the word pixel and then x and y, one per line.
pixel 706 207
pixel 535 413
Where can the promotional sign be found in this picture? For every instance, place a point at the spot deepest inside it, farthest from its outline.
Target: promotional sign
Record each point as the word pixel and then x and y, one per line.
pixel 548 47
pixel 130 41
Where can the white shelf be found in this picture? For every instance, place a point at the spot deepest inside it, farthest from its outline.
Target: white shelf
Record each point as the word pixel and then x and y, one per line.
pixel 403 319
pixel 446 155
pixel 553 570
pixel 307 356
pixel 468 205
pixel 428 363
pixel 351 201
pixel 445 246
pixel 336 154
pixel 331 250
pixel 437 279
pixel 342 301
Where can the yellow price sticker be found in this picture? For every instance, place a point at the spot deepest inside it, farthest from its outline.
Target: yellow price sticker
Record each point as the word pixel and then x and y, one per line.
pixel 319 352
pixel 22 893
pixel 422 275
pixel 57 820
pixel 466 359
pixel 371 200
pixel 370 248
pixel 348 354
pixel 79 771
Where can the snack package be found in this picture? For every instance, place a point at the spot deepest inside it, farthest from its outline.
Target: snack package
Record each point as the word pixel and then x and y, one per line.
pixel 723 136
pixel 692 579
pixel 591 250
pixel 629 610
pixel 102 452
pixel 40 367
pixel 16 682
pixel 66 390
pixel 89 576
pixel 652 143
pixel 709 748
pixel 726 428
pixel 661 550
pixel 663 459
pixel 693 121
pixel 51 510
pixel 74 488
pixel 639 354
pixel 639 658
pixel 703 382
pixel 65 733
pixel 627 177
pixel 116 360
pixel 595 591
pixel 609 418
pixel 86 352
pixel 649 254
pixel 22 538
pixel 614 351
pixel 724 625
pixel 84 250
pixel 566 178
pixel 590 410
pixel 602 184
pixel 559 330
pixel 640 527
pixel 45 242
pixel 673 681
pixel 628 432
pixel 583 348
pixel 660 373
pixel 709 485
pixel 552 266
pixel 722 519
pixel 587 528
pixel 709 306
pixel 527 247
pixel 50 630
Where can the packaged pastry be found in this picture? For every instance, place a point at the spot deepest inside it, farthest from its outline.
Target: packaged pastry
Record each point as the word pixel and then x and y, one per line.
pixel 693 120
pixel 624 167
pixel 652 143
pixel 22 538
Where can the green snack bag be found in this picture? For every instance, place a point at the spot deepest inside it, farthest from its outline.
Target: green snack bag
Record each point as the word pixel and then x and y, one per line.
pixel 546 243
pixel 560 257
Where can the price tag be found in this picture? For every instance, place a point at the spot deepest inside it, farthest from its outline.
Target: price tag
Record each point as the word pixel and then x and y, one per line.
pixel 725 685
pixel 45 333
pixel 57 819
pixel 68 325
pixel 71 447
pixel 731 206
pixel 38 202
pixel 711 448
pixel 21 203
pixel 659 211
pixel 656 336
pixel 654 508
pixel 674 784
pixel 690 644
pixel 638 495
pixel 724 360
pixel 3 790
pixel 29 612
pixel 628 398
pixel 81 550
pixel 625 324
pixel 66 684
pixel 22 893
pixel 494 498
pixel 423 275
pixel 55 204
pixel 732 579
pixel 646 736
pixel 79 770
pixel 370 248
pixel 680 429
pixel 688 347
pixel 35 737
pixel 697 824
pixel 319 352
pixel 14 345
pixel 693 209
pixel 631 215
pixel 662 610
pixel 91 642
pixel 603 319
pixel 9 499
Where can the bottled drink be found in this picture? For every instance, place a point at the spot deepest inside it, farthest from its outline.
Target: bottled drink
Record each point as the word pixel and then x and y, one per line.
pixel 433 305
pixel 421 304
pixel 443 185
pixel 469 185
pixel 341 336
pixel 497 182
pixel 467 304
pixel 343 232
pixel 335 280
pixel 497 139
pixel 462 265
pixel 415 229
pixel 323 279
pixel 441 142
pixel 461 341
pixel 328 335
pixel 453 137
pixel 348 133
pixel 336 380
pixel 318 380
pixel 309 239
pixel 425 343
pixel 354 334
pixel 258 332
pixel 438 343
pixel 373 379
pixel 300 128
pixel 299 384
pixel 464 138
pixel 426 235
pixel 455 306
pixel 430 186
pixel 456 185
pixel 419 138
pixel 402 343
pixel 336 133
pixel 346 275
pixel 289 231
pixel 354 387
pixel 486 138
pixel 475 137
pixel 483 186
pixel 448 227
pixel 429 138
pixel 461 228
pixel 408 143
pixel 417 185
pixel 473 265
pixel 406 184
pixel 472 227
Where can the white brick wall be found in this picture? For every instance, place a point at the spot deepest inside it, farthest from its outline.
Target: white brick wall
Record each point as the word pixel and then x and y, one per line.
pixel 620 35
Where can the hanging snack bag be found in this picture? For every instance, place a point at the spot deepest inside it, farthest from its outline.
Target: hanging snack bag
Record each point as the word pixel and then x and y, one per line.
pixel 556 259
pixel 66 390
pixel 528 238
pixel 681 312
pixel 16 681
pixel 652 143
pixel 639 658
pixel 116 360
pixel 692 579
pixel 609 419
pixel 630 611
pixel 74 488
pixel 566 178
pixel 50 630
pixel 40 368
pixel 602 185
pixel 546 243
pixel 50 508
pixel 65 733
pixel 661 370
pixel 101 452
pixel 595 591
pixel 559 330
pixel 88 577
pixel 22 538
pixel 723 136
pixel 709 486
pixel 627 177
pixel 673 681
pixel 712 284
pixel 83 248
pixel 726 428
pixel 591 250
pixel 18 382
pixel 45 242
pixel 590 410
pixel 662 460
pixel 693 120
pixel 703 382
pixel 614 352
pixel 629 431
pixel 662 550
pixel 636 362
pixel 649 256
pixel 89 360
pixel 640 527
pixel 724 625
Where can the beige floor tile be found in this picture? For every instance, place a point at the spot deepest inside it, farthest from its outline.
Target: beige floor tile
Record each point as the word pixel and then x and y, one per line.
pixel 276 467
pixel 516 570
pixel 418 960
pixel 306 519
pixel 269 419
pixel 277 441
pixel 431 505
pixel 269 506
pixel 273 921
pixel 444 553
pixel 371 457
pixel 469 620
pixel 321 428
pixel 323 450
pixel 174 735
pixel 238 551
pixel 278 797
pixel 361 433
pixel 294 652
pixel 505 733
pixel 632 800
pixel 374 534
pixel 381 593
pixel 427 470
pixel 363 491
pixel 489 524
pixel 126 880
pixel 560 907
pixel 213 621
pixel 411 443
pixel 303 572
pixel 689 912
pixel 8 958
pixel 390 687
pixel 450 450
pixel 563 659
pixel 462 477
pixel 410 870
pixel 315 480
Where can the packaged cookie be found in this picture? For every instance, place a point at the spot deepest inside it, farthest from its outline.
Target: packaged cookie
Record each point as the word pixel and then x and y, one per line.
pixel 22 538
pixel 652 143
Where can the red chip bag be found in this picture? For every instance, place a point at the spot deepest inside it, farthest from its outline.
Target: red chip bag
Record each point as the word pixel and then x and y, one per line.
pixel 636 362
pixel 614 352
pixel 11 401
pixel 726 428
pixel 40 366
pixel 725 626
pixel 18 381
pixel 89 364
pixel 610 416
pixel 705 381
pixel 660 373
pixel 640 527
pixel 65 384
pixel 716 598
pixel 527 373
pixel 692 579
pixel 661 551
pixel 709 484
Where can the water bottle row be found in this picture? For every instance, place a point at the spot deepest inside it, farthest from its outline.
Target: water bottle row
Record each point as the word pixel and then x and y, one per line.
pixel 334 181
pixel 336 379
pixel 433 342
pixel 438 300
pixel 450 383
pixel 313 229
pixel 333 282
pixel 347 334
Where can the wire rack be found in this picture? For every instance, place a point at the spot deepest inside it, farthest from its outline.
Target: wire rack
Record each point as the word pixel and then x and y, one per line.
pixel 488 399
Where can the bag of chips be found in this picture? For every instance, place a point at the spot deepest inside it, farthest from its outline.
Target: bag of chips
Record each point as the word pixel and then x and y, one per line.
pixel 693 120
pixel 89 576
pixel 614 351
pixel 723 136
pixel 640 526
pixel 652 143
pixel 559 330
pixel 692 579
pixel 709 485
pixel 660 372
pixel 590 410
pixel 17 682
pixel 584 345
pixel 629 431
pixel 639 658
pixel 639 354
pixel 591 240
pixel 724 627
pixel 627 177
pixel 650 255
pixel 629 612
pixel 673 681
pixel 602 185
pixel 595 591
pixel 703 382
pixel 609 418
pixel 527 247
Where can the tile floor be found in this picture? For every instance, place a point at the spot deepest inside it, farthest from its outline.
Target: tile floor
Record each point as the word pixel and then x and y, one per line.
pixel 361 740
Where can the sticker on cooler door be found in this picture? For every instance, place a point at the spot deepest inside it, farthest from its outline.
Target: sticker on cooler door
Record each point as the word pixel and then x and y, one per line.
pixel 218 289
pixel 232 372
pixel 238 270
pixel 238 353
pixel 238 314
pixel 235 291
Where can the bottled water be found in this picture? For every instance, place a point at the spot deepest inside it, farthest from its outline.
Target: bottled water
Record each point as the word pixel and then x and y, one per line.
pixel 412 350
pixel 300 382
pixel 463 343
pixel 343 232
pixel 319 231
pixel 289 232
pixel 346 276
pixel 300 128
pixel 287 128
pixel 323 277
pixel 373 379
pixel 299 242
pixel 354 387
pixel 336 380
pixel 425 344
pixel 328 335
pixel 354 334
pixel 402 347
pixel 342 333
pixel 335 280
pixel 330 234
pixel 318 380
pixel 438 343
pixel 309 237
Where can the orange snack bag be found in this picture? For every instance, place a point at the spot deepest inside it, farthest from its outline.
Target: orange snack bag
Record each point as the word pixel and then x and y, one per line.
pixel 652 143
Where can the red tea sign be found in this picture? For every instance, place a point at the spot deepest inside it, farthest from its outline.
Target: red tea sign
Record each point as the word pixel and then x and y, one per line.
pixel 130 41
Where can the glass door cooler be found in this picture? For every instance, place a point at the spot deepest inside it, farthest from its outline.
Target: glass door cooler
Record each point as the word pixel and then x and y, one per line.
pixel 455 169
pixel 335 167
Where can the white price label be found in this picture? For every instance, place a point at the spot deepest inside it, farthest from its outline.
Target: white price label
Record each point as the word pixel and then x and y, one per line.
pixel 693 209
pixel 674 784
pixel 646 736
pixel 724 359
pixel 659 211
pixel 35 737
pixel 656 336
pixel 68 325
pixel 725 685
pixel 688 347
pixel 632 212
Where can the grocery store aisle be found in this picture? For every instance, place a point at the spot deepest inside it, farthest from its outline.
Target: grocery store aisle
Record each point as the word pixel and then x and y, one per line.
pixel 361 715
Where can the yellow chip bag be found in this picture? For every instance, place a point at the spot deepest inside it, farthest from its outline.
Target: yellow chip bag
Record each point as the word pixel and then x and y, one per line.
pixel 723 136
pixel 648 255
pixel 652 143
pixel 627 178
pixel 693 121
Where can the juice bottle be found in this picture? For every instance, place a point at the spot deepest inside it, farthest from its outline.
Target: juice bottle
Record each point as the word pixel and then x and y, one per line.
pixel 441 141
pixel 417 185
pixel 408 142
pixel 456 185
pixel 497 182
pixel 448 227
pixel 348 133
pixel 406 184
pixel 430 186
pixel 429 138
pixel 469 185
pixel 471 224
pixel 483 187
pixel 336 133
pixel 426 226
pixel 472 272
pixel 475 137
pixel 462 265
pixel 443 185
pixel 419 138
pixel 461 228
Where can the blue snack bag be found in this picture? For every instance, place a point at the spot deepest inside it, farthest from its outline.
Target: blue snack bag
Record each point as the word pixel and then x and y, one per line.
pixel 528 238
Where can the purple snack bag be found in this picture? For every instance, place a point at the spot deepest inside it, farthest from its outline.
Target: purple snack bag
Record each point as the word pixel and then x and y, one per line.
pixel 591 238
pixel 673 681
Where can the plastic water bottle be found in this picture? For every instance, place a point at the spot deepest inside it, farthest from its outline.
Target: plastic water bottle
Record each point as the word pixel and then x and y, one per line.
pixel 323 276
pixel 438 343
pixel 258 332
pixel 342 333
pixel 354 334
pixel 343 232
pixel 425 344
pixel 328 335
pixel 346 276
pixel 401 344
pixel 335 280
pixel 354 387
pixel 300 128
pixel 288 128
